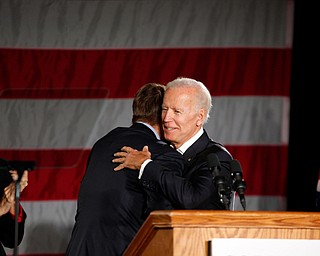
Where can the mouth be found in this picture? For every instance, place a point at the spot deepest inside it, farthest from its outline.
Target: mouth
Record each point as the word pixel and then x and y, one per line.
pixel 169 129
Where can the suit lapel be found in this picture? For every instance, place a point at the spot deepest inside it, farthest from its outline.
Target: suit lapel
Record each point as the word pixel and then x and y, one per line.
pixel 196 148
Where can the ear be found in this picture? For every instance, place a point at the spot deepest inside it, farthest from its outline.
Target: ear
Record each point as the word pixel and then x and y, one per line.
pixel 201 117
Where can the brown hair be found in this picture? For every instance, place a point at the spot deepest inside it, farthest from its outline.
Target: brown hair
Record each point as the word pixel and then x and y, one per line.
pixel 147 104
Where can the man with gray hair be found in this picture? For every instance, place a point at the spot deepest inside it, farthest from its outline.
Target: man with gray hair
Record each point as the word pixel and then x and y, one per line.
pixel 186 107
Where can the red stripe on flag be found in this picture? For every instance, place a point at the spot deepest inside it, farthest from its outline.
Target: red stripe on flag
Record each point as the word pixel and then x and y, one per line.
pixel 34 73
pixel 264 168
pixel 59 172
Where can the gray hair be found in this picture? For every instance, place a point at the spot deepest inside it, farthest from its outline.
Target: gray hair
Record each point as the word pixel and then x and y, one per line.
pixel 203 96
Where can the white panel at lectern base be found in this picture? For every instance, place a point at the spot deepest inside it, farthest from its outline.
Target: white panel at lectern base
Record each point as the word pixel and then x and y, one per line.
pixel 264 247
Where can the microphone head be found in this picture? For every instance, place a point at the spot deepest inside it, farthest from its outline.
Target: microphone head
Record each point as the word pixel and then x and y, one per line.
pixel 213 160
pixel 235 166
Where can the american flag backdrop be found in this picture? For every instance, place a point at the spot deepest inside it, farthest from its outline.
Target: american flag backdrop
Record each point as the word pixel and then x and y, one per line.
pixel 69 71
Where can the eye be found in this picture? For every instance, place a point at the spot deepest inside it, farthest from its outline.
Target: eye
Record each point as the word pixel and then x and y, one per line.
pixel 164 108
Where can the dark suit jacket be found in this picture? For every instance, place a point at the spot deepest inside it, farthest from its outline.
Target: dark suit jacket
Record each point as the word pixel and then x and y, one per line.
pixel 7 231
pixel 112 206
pixel 196 189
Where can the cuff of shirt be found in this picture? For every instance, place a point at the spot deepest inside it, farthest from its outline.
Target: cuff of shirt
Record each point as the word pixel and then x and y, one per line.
pixel 142 167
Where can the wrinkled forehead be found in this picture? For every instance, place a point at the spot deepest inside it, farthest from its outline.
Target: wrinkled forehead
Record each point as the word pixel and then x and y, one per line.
pixel 190 92
pixel 180 97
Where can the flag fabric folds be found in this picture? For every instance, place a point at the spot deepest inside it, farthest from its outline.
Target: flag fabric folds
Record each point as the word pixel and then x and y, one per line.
pixel 69 71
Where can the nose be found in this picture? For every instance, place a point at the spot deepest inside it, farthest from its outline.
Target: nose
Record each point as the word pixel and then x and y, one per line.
pixel 166 115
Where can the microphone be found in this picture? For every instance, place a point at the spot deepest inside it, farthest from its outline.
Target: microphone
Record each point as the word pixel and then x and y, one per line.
pixel 239 185
pixel 214 166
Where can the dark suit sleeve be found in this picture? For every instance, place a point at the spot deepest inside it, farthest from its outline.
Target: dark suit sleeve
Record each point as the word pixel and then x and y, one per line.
pixel 7 227
pixel 171 161
pixel 191 192
pixel 183 193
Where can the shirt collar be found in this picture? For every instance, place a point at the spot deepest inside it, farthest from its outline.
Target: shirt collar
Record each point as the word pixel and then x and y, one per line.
pixel 151 128
pixel 188 143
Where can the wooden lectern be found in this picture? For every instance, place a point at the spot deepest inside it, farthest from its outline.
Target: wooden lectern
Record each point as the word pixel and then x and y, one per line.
pixel 188 232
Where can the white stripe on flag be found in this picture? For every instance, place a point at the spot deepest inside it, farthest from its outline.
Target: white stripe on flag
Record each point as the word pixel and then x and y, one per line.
pixel 145 24
pixel 79 123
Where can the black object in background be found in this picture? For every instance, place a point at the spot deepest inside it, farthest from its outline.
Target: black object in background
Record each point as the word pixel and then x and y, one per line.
pixel 304 135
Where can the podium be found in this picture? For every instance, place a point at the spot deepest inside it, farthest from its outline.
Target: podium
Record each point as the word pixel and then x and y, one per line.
pixel 189 232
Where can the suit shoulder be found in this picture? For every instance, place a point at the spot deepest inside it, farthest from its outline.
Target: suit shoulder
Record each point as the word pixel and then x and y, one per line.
pixel 218 148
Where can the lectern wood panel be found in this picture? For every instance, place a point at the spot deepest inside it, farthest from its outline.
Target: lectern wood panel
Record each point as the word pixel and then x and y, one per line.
pixel 188 232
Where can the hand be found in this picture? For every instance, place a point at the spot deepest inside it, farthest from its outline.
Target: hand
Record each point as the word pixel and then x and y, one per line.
pixel 24 180
pixel 131 158
pixel 7 202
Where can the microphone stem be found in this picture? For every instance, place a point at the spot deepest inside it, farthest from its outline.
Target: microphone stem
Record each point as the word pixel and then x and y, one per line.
pixel 16 224
pixel 242 201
